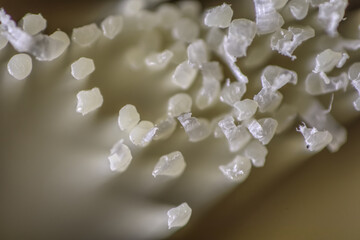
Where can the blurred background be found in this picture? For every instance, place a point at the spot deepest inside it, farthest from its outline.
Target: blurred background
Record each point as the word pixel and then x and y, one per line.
pixel 41 198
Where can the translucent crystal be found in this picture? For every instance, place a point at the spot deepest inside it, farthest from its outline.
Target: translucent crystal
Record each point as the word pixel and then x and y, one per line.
pixel 240 36
pixel 356 104
pixel 268 100
pixel 89 100
pixel 299 8
pixel 178 104
pixel 245 109
pixel 286 41
pixel 237 136
pixel 179 50
pixel 33 23
pixel 238 169
pixel 20 66
pixel 139 133
pixel 112 26
pixel 62 37
pixel 3 40
pixel 278 4
pixel 328 59
pixel 86 35
pixel 315 84
pixel 354 71
pixel 256 152
pixel 82 68
pixel 208 93
pixel 128 117
pixel 331 13
pixel 196 129
pixel 268 20
pixel 275 77
pixel 186 30
pixel 263 129
pixel 184 75
pixel 164 128
pixel 120 157
pixel 212 70
pixel 285 116
pixel 315 140
pixel 197 53
pixel 179 216
pixel 172 165
pixel 159 61
pixel 219 16
pixel 232 92
pixel 214 38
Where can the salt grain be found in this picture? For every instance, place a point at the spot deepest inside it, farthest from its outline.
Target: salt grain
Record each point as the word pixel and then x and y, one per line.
pixel 179 216
pixel 128 117
pixel 219 16
pixel 33 23
pixel 88 101
pixel 237 170
pixel 315 140
pixel 172 165
pixel 159 61
pixel 197 53
pixel 86 35
pixel 120 157
pixel 82 68
pixel 20 66
pixel 179 104
pixel 232 92
pixel 184 75
pixel 196 129
pixel 256 152
pixel 263 129
pixel 138 135
pixel 245 109
pixel 112 26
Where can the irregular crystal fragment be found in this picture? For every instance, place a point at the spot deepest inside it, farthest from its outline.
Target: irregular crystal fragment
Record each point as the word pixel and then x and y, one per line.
pixel 3 40
pixel 86 35
pixel 263 129
pixel 82 68
pixel 212 70
pixel 62 37
pixel 331 13
pixel 208 93
pixel 268 20
pixel 139 134
pixel 159 61
pixel 184 75
pixel 128 117
pixel 240 36
pixel 286 41
pixel 179 216
pixel 172 165
pixel 232 92
pixel 315 140
pixel 237 136
pixel 238 169
pixel 256 152
pixel 356 104
pixel 185 30
pixel 112 26
pixel 245 109
pixel 89 100
pixel 178 104
pixel 275 77
pixel 219 16
pixel 120 157
pixel 20 66
pixel 299 8
pixel 354 71
pixel 285 116
pixel 328 59
pixel 214 38
pixel 315 85
pixel 33 23
pixel 197 53
pixel 278 4
pixel 268 100
pixel 196 129
pixel 164 128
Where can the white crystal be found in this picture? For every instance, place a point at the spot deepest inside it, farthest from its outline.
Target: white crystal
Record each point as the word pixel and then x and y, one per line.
pixel 268 20
pixel 356 104
pixel 172 165
pixel 62 37
pixel 178 104
pixel 159 61
pixel 263 129
pixel 245 109
pixel 315 84
pixel 89 100
pixel 238 169
pixel 286 41
pixel 285 116
pixel 86 35
pixel 120 157
pixel 197 53
pixel 212 70
pixel 196 129
pixel 184 75
pixel 268 100
pixel 185 30
pixel 82 68
pixel 33 23
pixel 112 26
pixel 275 77
pixel 237 136
pixel 331 13
pixel 20 66
pixel 179 216
pixel 354 71
pixel 214 38
pixel 138 135
pixel 256 152
pixel 219 16
pixel 164 128
pixel 132 7
pixel 232 92
pixel 328 59
pixel 128 117
pixel 208 93
pixel 315 140
pixel 299 8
